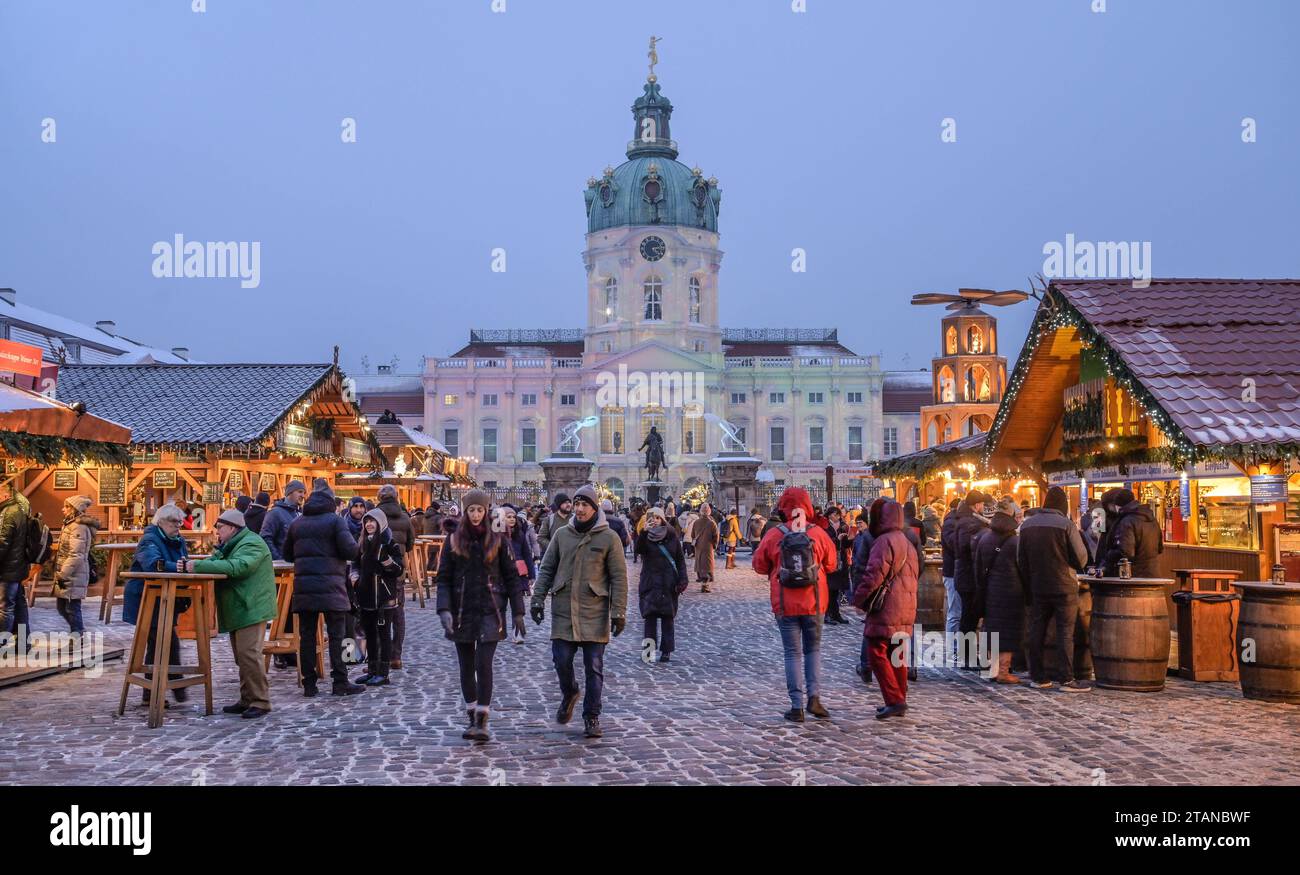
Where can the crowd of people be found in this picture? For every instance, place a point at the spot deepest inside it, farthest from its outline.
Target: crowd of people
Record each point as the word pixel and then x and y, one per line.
pixel 1010 572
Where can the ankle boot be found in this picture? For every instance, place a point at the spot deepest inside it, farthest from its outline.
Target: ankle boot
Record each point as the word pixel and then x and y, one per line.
pixel 479 731
pixel 469 726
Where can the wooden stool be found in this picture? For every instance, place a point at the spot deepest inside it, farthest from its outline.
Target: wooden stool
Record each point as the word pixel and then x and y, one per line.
pixel 1207 608
pixel 282 643
pixel 415 568
pixel 161 590
pixel 108 586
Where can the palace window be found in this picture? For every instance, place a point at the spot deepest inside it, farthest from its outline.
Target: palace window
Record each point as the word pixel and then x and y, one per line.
pixel 695 298
pixel 568 400
pixel 528 399
pixel 612 431
pixel 489 399
pixel 853 397
pixel 450 400
pixel 775 397
pixel 777 442
pixel 816 447
pixel 615 486
pixel 653 416
pixel 654 298
pixel 611 299
pixel 855 443
pixel 451 440
pixel 692 433
pixel 816 398
pixel 529 444
pixel 489 445
pixel 891 441
pixel 738 397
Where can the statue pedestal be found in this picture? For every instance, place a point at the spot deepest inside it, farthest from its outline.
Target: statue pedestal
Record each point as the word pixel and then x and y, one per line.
pixel 735 480
pixel 652 490
pixel 565 472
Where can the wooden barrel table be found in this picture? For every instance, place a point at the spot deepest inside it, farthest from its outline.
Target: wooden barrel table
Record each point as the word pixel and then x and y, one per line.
pixel 1268 640
pixel 1129 637
pixel 930 596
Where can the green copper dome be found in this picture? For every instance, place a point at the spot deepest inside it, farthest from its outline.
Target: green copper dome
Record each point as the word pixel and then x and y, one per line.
pixel 652 187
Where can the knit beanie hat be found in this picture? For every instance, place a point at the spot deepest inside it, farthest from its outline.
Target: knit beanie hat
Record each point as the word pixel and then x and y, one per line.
pixel 1057 500
pixel 473 497
pixel 588 494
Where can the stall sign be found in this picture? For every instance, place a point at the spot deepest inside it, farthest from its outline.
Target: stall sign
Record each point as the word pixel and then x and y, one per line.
pixel 164 478
pixel 1185 498
pixel 143 458
pixel 1268 488
pixel 268 484
pixel 296 439
pixel 356 451
pixel 1099 474
pixel 112 487
pixel 235 479
pixel 1220 468
pixel 20 358
pixel 1062 478
pixel 212 493
pixel 65 480
pixel 191 457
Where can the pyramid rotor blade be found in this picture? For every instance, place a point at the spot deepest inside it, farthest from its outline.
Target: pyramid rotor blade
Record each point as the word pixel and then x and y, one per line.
pixel 1003 299
pixel 976 293
pixel 924 298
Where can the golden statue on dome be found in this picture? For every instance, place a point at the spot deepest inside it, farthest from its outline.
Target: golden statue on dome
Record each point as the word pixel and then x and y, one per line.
pixel 654 57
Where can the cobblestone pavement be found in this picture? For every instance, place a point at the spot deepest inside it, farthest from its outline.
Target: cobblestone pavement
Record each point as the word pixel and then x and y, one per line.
pixel 711 716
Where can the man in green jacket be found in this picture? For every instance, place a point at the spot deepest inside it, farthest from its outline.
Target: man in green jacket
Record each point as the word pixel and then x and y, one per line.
pixel 585 572
pixel 245 603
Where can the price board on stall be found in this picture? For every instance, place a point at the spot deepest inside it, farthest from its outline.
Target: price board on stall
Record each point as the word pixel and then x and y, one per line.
pixel 235 479
pixel 269 485
pixel 212 493
pixel 164 478
pixel 112 487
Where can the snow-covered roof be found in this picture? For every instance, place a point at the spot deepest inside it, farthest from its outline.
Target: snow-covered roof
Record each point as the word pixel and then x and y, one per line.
pixel 44 329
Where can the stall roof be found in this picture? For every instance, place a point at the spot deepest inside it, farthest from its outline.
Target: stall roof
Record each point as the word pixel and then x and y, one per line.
pixel 194 404
pixel 1190 347
pixel 397 435
pixel 48 431
pixel 939 457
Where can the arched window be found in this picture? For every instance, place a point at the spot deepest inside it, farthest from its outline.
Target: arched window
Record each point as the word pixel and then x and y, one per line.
pixel 695 299
pixel 615 486
pixel 974 339
pixel 654 298
pixel 612 432
pixel 653 416
pixel 947 386
pixel 950 341
pixel 979 385
pixel 692 432
pixel 611 299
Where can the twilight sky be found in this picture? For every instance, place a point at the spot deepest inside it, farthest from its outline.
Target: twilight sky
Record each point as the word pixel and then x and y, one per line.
pixel 478 130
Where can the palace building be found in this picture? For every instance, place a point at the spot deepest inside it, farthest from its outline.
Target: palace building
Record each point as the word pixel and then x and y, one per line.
pixel 799 398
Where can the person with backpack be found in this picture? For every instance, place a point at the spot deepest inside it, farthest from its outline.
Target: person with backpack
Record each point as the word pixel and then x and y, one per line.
pixel 18 543
pixel 561 510
pixel 74 570
pixel 796 557
pixel 705 531
pixel 376 578
pixel 663 580
pixel 887 593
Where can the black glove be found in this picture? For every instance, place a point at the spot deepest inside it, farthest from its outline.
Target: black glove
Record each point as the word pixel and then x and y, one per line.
pixel 538 613
pixel 520 629
pixel 448 625
pixel 616 625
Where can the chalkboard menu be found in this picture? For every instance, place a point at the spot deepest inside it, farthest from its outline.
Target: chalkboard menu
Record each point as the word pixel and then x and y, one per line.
pixel 164 478
pixel 112 487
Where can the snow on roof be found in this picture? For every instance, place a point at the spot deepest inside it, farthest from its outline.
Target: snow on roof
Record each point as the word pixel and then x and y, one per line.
pixel 45 322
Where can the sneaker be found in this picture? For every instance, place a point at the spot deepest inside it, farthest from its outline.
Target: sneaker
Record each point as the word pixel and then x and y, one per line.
pixel 794 715
pixel 362 678
pixel 1076 687
pixel 378 680
pixel 1042 685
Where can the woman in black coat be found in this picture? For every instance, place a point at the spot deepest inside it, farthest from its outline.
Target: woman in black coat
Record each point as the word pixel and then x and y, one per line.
pixel 1000 593
pixel 663 580
pixel 838 580
pixel 476 581
pixel 320 547
pixel 377 575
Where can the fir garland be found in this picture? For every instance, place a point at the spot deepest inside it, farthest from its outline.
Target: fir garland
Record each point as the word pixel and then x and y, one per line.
pixel 49 450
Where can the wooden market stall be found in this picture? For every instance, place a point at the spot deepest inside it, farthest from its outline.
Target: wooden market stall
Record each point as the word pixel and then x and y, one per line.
pixel 1184 392
pixel 206 434
pixel 417 462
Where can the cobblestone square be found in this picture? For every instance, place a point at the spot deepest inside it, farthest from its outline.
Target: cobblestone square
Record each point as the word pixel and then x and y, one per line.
pixel 711 716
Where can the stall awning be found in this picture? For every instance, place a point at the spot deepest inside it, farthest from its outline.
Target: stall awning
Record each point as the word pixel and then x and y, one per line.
pixel 47 431
pixel 923 463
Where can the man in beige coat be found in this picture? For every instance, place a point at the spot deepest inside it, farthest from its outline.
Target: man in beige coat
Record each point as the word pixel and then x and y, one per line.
pixel 585 572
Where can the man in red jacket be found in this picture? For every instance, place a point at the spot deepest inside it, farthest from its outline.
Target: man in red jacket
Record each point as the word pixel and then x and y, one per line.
pixel 799 610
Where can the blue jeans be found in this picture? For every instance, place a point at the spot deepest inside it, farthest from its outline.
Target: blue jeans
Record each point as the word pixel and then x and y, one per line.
pixel 801 638
pixel 952 612
pixel 13 608
pixel 70 610
pixel 593 662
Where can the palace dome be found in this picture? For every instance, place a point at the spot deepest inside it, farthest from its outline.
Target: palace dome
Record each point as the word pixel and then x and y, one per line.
pixel 652 187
